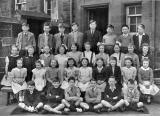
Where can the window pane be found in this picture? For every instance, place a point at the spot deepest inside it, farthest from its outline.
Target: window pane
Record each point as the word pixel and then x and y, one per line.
pixel 19 6
pixel 49 12
pixel 138 10
pixel 132 28
pixel 132 20
pixel 18 1
pixel 48 4
pixel 139 20
pixel 131 10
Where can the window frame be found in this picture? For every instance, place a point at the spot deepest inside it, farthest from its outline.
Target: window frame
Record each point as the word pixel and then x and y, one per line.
pixel 23 2
pixel 46 9
pixel 128 16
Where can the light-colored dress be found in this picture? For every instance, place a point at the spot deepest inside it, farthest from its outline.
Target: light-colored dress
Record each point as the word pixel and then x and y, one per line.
pixel 75 55
pixel 128 73
pixel 18 82
pixel 39 78
pixel 146 81
pixel 62 61
pixel 85 75
pixel 69 72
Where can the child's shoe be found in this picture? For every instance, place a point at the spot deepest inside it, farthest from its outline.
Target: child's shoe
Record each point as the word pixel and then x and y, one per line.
pixel 78 109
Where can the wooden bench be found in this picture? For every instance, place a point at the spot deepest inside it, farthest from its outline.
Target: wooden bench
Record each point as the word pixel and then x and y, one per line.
pixel 5 95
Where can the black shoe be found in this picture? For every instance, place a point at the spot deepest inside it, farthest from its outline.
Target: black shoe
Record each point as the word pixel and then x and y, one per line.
pixel 98 111
pixel 140 109
pixel 65 113
pixel 104 109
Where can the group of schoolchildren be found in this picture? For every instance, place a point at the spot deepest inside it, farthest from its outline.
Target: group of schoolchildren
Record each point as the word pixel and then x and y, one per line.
pixel 112 78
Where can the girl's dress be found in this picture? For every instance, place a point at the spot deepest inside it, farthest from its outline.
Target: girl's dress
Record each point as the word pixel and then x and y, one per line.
pixel 128 73
pixel 18 82
pixel 40 80
pixel 69 72
pixel 46 59
pixel 76 56
pixel 105 58
pixel 119 56
pixel 12 63
pixel 62 61
pixel 85 75
pixel 146 79
pixel 51 75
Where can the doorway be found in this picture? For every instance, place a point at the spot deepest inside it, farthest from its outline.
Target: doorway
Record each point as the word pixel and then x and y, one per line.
pixel 100 15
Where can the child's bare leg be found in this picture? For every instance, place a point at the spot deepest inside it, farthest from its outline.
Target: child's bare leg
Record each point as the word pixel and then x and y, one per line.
pixel 106 104
pixel 126 103
pixel 40 105
pixel 84 105
pixel 98 106
pixel 23 106
pixel 66 103
pixel 21 96
pixel 59 107
pixel 118 104
pixel 50 109
pixel 78 101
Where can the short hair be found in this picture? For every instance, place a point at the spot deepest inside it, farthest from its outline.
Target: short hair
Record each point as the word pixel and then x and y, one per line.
pixel 39 62
pixel 56 80
pixel 47 24
pixel 93 79
pixel 75 23
pixel 110 26
pixel 100 58
pixel 129 58
pixel 113 77
pixel 75 45
pixel 57 66
pixel 131 45
pixel 71 78
pixel 142 26
pixel 146 59
pixel 61 25
pixel 65 49
pixel 20 59
pixel 131 81
pixel 117 44
pixel 113 58
pixel 92 21
pixel 84 58
pixel 25 24
pixel 31 83
pixel 87 43
pixel 74 62
pixel 125 26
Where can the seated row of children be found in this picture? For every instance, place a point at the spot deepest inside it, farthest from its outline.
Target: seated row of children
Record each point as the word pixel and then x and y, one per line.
pixel 60 101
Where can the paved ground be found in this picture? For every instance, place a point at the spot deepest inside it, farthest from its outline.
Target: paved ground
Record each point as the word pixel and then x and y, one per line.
pixel 154 110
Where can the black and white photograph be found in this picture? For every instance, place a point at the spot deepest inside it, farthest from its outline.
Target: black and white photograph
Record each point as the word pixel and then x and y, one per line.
pixel 79 57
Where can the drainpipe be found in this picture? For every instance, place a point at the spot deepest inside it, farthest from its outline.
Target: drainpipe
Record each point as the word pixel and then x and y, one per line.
pixel 153 30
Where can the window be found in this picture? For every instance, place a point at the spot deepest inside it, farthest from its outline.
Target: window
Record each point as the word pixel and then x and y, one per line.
pixel 133 17
pixel 21 4
pixel 48 6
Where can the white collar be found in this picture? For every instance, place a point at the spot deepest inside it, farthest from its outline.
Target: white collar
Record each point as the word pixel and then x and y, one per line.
pixel 125 35
pixel 140 35
pixel 145 69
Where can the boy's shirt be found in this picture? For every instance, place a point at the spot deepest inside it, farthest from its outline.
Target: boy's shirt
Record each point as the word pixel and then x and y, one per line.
pixel 131 95
pixel 31 99
pixel 53 92
pixel 72 92
pixel 25 39
pixel 93 93
pixel 110 93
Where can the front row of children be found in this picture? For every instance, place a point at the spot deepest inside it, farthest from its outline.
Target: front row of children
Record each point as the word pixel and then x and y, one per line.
pixel 59 100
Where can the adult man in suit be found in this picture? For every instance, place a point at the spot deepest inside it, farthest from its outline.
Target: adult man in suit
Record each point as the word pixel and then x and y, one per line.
pixel 25 39
pixel 93 36
pixel 61 37
pixel 46 39
pixel 76 37
pixel 140 38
